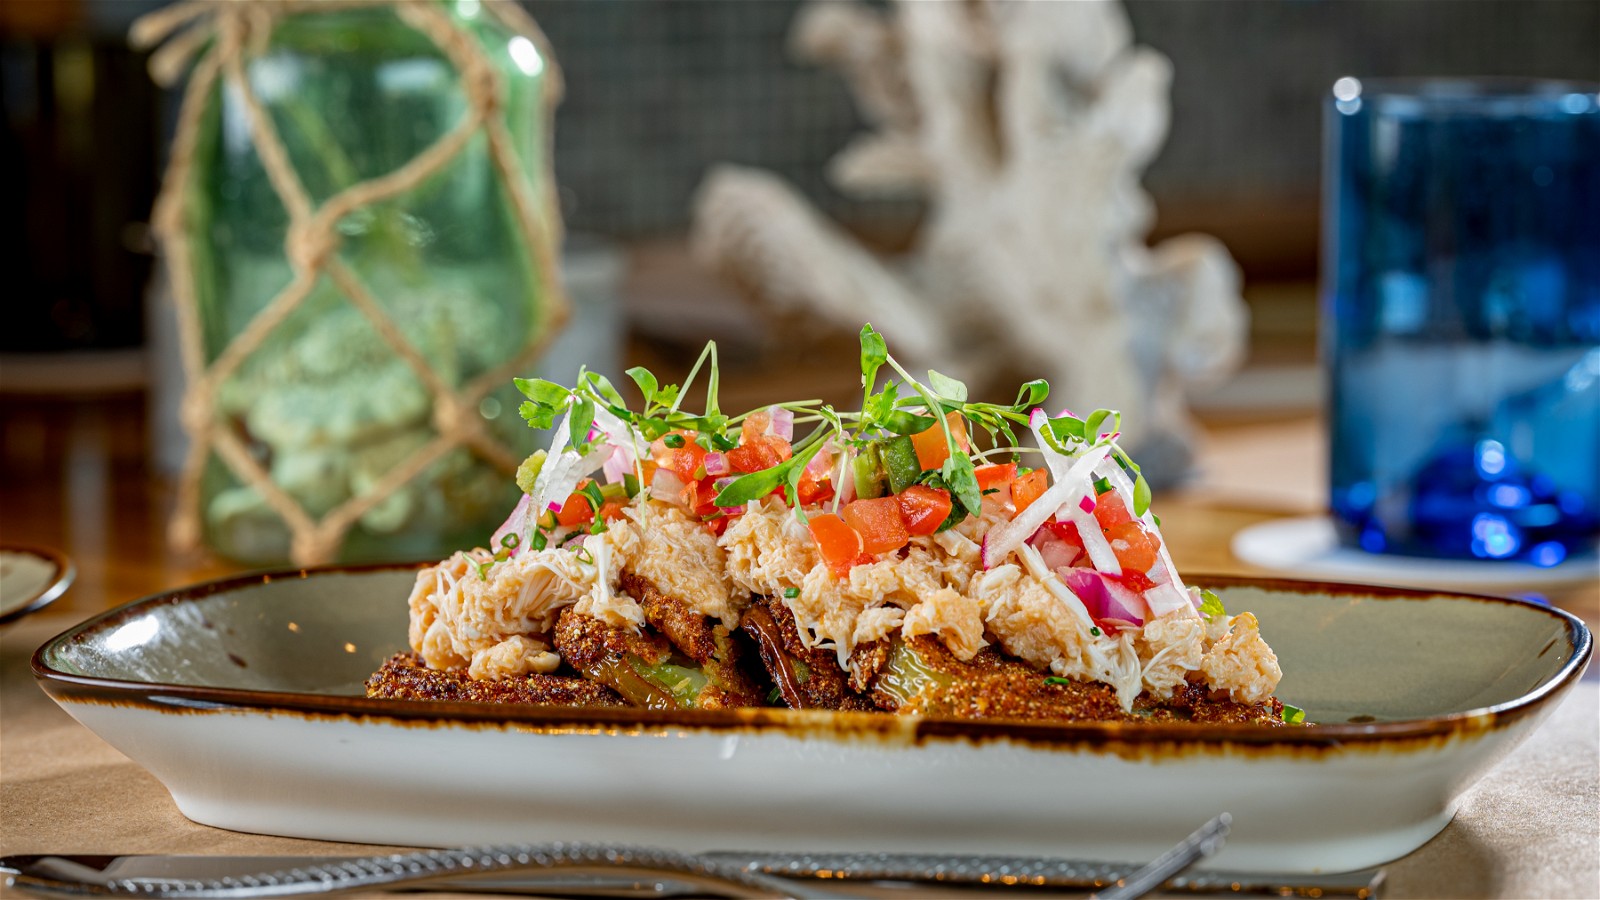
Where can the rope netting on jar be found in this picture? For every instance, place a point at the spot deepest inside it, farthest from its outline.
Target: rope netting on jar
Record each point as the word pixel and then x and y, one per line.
pixel 213 40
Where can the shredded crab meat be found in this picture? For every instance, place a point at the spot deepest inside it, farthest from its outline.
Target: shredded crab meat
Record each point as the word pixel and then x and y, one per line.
pixel 497 624
pixel 460 619
pixel 1242 663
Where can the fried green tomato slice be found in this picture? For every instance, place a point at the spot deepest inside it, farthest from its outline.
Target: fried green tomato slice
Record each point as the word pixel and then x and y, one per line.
pixel 920 676
pixel 714 650
pixel 404 677
pixel 805 678
pixel 644 668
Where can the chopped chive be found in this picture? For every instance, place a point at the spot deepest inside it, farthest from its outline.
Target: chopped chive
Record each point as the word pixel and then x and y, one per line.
pixel 791 592
pixel 1101 485
pixel 1293 715
pixel 511 540
pixel 675 441
pixel 583 555
pixel 1056 679
pixel 539 540
pixel 1094 631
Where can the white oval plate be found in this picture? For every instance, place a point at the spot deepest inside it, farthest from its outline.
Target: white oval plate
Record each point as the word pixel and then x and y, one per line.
pixel 244 697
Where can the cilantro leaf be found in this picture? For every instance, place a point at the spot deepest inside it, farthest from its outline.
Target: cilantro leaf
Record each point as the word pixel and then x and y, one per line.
pixel 1067 428
pixel 582 420
pixel 537 415
pixel 1091 425
pixel 962 480
pixel 646 381
pixel 546 393
pixel 1031 394
pixel 601 387
pixel 1211 605
pixel 874 353
pixel 947 387
pixel 1141 496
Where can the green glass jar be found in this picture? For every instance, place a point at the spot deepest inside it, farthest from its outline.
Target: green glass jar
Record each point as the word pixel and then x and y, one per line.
pixel 358 413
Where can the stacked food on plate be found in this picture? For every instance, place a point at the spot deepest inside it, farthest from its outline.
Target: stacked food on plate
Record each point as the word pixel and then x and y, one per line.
pixel 918 556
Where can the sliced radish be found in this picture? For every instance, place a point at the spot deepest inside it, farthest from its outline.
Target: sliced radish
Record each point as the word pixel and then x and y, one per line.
pixel 516 523
pixel 1002 539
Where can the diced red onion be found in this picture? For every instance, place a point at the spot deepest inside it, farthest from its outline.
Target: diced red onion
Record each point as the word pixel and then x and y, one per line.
pixel 1086 504
pixel 554 507
pixel 1165 599
pixel 1055 552
pixel 716 463
pixel 1104 597
pixel 514 524
pixel 821 465
pixel 666 486
pixel 782 422
pixel 721 484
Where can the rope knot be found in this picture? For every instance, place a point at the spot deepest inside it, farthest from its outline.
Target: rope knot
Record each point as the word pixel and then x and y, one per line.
pixel 309 244
pixel 452 418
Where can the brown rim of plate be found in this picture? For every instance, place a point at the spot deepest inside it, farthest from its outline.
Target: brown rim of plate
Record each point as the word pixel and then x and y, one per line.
pixel 174 698
pixel 65 573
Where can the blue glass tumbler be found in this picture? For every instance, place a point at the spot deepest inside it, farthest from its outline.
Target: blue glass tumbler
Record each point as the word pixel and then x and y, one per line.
pixel 1461 317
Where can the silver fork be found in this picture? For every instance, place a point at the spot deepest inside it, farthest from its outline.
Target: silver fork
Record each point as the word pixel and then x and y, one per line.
pixel 657 872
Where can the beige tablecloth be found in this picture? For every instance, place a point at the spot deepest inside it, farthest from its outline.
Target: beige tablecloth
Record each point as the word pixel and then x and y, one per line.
pixel 1531 828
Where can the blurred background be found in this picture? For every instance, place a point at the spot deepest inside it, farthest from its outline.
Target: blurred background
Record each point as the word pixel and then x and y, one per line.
pixel 657 93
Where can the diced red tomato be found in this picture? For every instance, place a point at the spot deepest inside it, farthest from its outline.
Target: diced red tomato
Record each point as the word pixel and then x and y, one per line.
pixel 1067 531
pixel 576 510
pixel 995 476
pixel 701 496
pixel 814 489
pixel 838 543
pixel 1028 488
pixel 930 445
pixel 1135 548
pixel 923 508
pixel 1110 511
pixel 611 510
pixel 878 522
pixel 685 461
pixel 763 451
pixel 1135 581
pixel 754 427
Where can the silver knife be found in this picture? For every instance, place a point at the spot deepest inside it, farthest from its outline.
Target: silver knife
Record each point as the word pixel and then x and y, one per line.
pixel 105 871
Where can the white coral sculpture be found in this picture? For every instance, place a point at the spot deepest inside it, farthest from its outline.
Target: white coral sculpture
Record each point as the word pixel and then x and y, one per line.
pixel 1025 126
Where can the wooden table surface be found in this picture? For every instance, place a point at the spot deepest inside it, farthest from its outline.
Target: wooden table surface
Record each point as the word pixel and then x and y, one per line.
pixel 75 475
